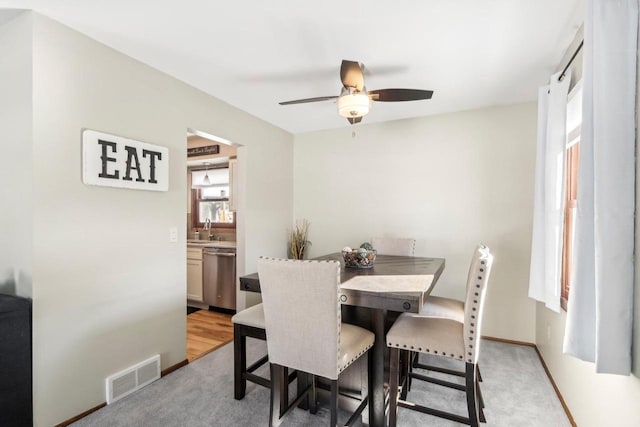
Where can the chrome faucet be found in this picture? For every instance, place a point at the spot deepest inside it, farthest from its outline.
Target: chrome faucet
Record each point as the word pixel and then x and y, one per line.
pixel 207 226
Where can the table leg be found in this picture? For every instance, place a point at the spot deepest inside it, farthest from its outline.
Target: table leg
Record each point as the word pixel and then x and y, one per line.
pixel 377 407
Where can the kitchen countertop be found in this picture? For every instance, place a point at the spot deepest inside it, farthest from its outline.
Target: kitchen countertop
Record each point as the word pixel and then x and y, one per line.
pixel 210 244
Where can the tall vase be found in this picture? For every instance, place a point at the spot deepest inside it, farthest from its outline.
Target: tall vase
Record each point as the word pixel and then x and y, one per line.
pixel 296 251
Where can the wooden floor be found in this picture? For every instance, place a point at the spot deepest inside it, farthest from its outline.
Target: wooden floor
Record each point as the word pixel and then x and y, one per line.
pixel 206 331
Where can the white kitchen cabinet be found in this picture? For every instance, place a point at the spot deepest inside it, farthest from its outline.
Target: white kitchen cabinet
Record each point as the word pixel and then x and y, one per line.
pixel 194 274
pixel 233 184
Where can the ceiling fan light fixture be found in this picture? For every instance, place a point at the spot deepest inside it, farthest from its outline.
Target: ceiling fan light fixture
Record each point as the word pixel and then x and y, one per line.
pixel 354 101
pixel 351 105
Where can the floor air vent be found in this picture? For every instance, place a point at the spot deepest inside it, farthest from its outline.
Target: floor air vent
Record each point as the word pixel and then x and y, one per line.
pixel 133 378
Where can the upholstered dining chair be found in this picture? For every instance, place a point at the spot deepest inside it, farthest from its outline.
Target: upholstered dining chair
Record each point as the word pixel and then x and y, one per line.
pixel 446 338
pixel 304 331
pixel 447 307
pixel 247 323
pixel 394 246
pixel 250 323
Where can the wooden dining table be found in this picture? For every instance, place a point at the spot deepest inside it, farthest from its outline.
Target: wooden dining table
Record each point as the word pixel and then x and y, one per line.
pixel 394 284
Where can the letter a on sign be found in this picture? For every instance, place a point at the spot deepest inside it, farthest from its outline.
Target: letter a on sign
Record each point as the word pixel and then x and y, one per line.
pixel 114 161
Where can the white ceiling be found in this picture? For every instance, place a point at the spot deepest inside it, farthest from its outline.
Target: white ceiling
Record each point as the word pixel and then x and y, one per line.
pixel 255 53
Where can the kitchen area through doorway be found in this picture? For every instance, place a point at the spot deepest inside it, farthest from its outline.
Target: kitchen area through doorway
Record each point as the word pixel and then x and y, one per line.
pixel 211 242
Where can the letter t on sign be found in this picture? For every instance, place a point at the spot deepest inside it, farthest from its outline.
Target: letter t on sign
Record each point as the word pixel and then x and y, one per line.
pixel 114 161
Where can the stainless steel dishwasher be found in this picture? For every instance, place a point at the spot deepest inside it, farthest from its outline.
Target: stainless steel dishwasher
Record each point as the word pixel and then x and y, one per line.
pixel 220 277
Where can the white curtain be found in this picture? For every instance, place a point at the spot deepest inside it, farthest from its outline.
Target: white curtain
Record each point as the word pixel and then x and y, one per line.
pixel 600 311
pixel 546 243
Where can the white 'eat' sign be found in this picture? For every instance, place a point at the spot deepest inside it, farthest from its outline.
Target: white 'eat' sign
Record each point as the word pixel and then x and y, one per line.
pixel 114 161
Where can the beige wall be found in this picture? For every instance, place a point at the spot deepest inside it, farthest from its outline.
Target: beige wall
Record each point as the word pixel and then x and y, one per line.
pixel 594 399
pixel 15 168
pixel 450 181
pixel 109 288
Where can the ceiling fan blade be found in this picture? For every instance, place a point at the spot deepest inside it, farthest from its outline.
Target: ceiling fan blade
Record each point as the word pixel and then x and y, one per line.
pixel 351 75
pixel 396 95
pixel 354 120
pixel 304 101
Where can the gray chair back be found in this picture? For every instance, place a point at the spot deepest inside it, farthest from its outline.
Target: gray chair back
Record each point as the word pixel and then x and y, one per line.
pixel 302 314
pixel 394 246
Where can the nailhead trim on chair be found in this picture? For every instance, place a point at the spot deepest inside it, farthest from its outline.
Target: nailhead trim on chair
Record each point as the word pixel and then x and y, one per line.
pixel 427 350
pixel 354 359
pixel 474 308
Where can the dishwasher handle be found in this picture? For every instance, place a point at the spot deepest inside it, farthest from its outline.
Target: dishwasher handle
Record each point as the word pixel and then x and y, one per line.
pixel 220 254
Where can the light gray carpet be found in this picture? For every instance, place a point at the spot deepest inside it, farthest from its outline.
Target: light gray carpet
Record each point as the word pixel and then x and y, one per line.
pixel 516 391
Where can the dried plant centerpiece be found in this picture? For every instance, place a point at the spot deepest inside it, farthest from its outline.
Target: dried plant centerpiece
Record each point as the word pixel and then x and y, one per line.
pixel 298 241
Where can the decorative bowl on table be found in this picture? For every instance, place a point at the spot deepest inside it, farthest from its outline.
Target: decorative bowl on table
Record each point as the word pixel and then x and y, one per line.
pixel 359 258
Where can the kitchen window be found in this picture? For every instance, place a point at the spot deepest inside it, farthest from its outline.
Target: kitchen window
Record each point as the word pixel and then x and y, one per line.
pixel 210 198
pixel 217 211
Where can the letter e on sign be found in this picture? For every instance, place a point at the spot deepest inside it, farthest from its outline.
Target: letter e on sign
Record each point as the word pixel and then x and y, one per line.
pixel 114 161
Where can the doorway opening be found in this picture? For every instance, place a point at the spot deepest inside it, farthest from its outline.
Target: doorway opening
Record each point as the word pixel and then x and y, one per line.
pixel 212 189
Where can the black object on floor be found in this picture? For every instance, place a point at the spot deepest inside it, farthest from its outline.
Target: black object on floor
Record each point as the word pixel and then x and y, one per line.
pixel 192 309
pixel 16 406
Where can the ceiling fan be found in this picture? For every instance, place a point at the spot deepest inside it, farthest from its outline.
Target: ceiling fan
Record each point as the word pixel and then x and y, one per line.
pixel 354 101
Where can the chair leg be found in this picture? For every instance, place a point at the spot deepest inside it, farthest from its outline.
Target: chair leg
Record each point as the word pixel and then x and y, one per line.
pixel 310 402
pixel 313 397
pixel 302 383
pixel 413 358
pixel 284 387
pixel 472 397
pixel 481 401
pixel 394 360
pixel 334 403
pixel 276 396
pixel 405 381
pixel 239 362
pixel 369 380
